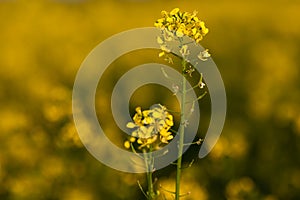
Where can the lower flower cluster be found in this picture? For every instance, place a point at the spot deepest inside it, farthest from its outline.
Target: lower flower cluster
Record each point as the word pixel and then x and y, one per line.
pixel 150 128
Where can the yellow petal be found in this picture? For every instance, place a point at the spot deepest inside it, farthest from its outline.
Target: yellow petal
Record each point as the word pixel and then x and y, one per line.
pixel 136 117
pixel 170 20
pixel 159 40
pixel 198 40
pixel 171 27
pixel 164 132
pixel 149 131
pixel 205 31
pixel 163 140
pixel 127 144
pixel 184 50
pixel 169 122
pixel 165 48
pixel 147 120
pixel 139 141
pixel 151 140
pixel 132 139
pixel 146 113
pixel 135 133
pixel 161 54
pixel 170 117
pixel 138 110
pixel 130 125
pixel 157 114
pixel 159 23
pixel 161 122
pixel 169 137
pixel 164 13
pixel 197 35
pixel 168 36
pixel 174 11
pixel 194 31
pixel 179 33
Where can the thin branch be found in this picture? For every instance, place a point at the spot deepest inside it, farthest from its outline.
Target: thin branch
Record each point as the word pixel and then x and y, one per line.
pixel 141 188
pixel 186 194
pixel 169 191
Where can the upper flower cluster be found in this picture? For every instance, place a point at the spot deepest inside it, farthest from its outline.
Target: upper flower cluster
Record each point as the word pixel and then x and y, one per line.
pixel 176 24
pixel 182 23
pixel 150 126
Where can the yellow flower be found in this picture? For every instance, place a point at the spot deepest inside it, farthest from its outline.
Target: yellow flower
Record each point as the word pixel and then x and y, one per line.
pixel 164 13
pixel 170 20
pixel 147 142
pixel 168 36
pixel 161 54
pixel 144 132
pixel 179 33
pixel 147 120
pixel 150 127
pixel 165 132
pixel 194 31
pixel 204 55
pixel 169 120
pixel 159 23
pixel 139 141
pixel 182 23
pixel 157 114
pixel 175 25
pixel 159 40
pixel 132 139
pixel 166 139
pixel 130 125
pixel 184 50
pixel 174 11
pixel 127 144
pixel 165 48
pixel 137 118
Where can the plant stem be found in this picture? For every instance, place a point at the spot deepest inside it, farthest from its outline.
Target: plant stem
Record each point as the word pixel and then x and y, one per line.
pixel 149 166
pixel 150 186
pixel 181 133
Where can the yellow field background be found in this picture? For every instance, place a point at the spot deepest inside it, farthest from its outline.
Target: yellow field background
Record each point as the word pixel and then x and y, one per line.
pixel 256 46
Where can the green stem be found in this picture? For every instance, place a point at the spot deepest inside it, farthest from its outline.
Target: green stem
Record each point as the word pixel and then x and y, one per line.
pixel 149 166
pixel 150 186
pixel 181 133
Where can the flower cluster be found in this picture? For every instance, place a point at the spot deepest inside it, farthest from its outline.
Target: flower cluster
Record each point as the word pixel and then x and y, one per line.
pixel 176 24
pixel 150 127
pixel 182 23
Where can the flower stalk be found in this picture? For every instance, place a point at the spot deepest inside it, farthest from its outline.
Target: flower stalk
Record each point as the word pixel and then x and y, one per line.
pixel 181 133
pixel 151 129
pixel 175 25
pixel 149 166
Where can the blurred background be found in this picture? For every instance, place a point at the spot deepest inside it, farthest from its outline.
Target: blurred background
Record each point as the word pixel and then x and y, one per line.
pixel 254 43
